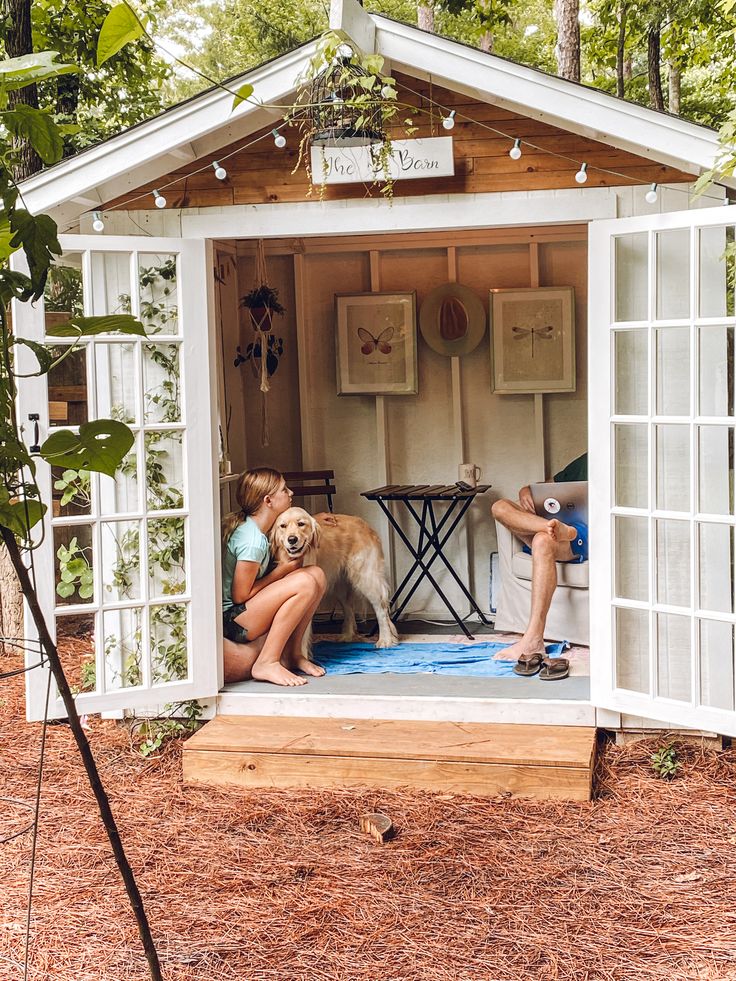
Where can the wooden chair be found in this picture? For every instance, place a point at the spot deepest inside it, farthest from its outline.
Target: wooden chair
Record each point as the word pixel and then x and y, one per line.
pixel 312 483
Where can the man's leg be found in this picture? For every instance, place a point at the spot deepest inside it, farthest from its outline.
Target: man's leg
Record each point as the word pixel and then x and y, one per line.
pixel 550 543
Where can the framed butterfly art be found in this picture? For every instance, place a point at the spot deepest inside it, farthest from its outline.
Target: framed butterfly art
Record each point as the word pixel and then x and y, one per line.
pixel 376 343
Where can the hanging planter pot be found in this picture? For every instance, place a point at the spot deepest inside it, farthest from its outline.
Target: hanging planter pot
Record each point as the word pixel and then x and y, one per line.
pixel 262 303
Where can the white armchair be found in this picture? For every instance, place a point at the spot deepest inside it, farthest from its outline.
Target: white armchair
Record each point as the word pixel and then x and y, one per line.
pixel 569 615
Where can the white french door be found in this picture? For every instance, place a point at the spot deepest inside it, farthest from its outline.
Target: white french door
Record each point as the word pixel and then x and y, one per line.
pixel 127 568
pixel 661 436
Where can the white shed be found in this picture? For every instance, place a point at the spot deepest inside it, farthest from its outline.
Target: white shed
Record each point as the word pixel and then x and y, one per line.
pixel 653 401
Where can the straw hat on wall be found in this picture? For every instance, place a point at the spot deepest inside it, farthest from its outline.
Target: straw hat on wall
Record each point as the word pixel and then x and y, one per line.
pixel 452 320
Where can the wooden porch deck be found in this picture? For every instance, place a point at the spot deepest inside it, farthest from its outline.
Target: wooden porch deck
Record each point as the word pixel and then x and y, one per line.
pixel 543 762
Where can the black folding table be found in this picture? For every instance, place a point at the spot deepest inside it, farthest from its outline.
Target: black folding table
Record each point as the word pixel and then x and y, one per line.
pixel 434 532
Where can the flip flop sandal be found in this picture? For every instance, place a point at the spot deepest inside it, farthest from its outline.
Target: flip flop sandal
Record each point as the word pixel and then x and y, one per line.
pixel 529 664
pixel 554 669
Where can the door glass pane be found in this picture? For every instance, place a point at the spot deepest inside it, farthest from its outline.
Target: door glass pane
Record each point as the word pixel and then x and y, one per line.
pixel 632 649
pixel 157 275
pixel 716 664
pixel 673 656
pixel 74 564
pixel 631 466
pixel 716 544
pixel 71 492
pixel 166 569
pixel 63 295
pixel 673 467
pixel 715 460
pixel 121 561
pixel 161 377
pixel 673 562
pixel 716 371
pixel 123 634
pixel 631 397
pixel 117 382
pixel 673 371
pixel 110 283
pixel 673 274
pixel 716 272
pixel 169 643
pixel 632 558
pixel 631 255
pixel 68 386
pixel 75 641
pixel 164 471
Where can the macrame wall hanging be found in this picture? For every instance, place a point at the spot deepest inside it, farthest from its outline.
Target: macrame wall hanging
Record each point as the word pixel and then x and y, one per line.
pixel 265 350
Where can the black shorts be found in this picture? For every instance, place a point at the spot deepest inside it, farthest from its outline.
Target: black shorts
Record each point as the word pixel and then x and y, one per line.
pixel 232 630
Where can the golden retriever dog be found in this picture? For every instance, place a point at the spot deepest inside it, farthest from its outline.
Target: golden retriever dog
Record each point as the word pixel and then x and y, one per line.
pixel 351 557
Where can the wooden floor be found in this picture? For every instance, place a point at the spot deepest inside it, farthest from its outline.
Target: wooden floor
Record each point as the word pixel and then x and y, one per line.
pixel 463 758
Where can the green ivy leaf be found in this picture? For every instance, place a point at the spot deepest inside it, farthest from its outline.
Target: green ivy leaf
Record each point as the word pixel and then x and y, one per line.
pixel 243 93
pixel 120 323
pixel 99 445
pixel 65 589
pixel 38 128
pixel 16 73
pixel 20 516
pixel 120 27
pixel 44 356
pixel 37 235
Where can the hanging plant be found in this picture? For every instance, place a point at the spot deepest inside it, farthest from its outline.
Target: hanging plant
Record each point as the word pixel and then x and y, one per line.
pixel 262 303
pixel 344 100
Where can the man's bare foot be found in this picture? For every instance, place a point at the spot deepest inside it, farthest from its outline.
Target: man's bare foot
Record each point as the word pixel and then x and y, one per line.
pixel 558 531
pixel 526 645
pixel 302 663
pixel 277 674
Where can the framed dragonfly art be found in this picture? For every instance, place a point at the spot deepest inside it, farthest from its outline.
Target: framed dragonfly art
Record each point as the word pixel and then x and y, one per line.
pixel 376 343
pixel 533 340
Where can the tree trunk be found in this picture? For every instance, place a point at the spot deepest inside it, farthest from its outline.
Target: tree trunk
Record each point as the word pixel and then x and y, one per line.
pixel 18 41
pixel 486 42
pixel 425 16
pixel 567 49
pixel 621 52
pixel 11 604
pixel 656 96
pixel 674 79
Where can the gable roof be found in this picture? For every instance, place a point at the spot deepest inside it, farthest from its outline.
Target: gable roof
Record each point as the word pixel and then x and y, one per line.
pixel 201 124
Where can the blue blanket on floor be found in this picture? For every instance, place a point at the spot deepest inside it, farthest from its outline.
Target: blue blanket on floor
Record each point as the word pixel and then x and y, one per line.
pixel 405 658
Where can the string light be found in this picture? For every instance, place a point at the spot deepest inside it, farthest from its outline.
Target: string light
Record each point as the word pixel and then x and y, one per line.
pixel 449 121
pixel 515 151
pixel 97 223
pixel 279 139
pixel 651 196
pixel 582 175
pixel 158 199
pixel 220 172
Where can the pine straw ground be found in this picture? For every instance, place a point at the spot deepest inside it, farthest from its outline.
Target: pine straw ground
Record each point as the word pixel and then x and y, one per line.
pixel 639 884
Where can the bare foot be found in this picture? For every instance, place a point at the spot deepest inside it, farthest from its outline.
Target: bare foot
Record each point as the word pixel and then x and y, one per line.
pixel 277 674
pixel 526 645
pixel 302 663
pixel 560 532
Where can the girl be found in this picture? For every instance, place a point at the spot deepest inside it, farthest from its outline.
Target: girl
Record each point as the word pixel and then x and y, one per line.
pixel 265 614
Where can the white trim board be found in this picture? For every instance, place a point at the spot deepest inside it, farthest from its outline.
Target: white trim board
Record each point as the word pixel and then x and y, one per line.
pixel 425 213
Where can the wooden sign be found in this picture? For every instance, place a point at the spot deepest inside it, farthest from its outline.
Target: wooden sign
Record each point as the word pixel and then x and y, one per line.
pixel 410 159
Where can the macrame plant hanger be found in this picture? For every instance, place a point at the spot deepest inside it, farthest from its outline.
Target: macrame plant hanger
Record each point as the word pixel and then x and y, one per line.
pixel 262 322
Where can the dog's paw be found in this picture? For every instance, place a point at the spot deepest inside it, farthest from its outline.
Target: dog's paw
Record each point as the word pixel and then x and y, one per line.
pixel 387 641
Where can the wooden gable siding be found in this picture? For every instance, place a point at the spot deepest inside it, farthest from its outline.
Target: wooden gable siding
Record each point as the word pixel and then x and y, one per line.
pixel 263 173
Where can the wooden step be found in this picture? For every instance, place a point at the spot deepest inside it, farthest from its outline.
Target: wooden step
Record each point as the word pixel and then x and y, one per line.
pixel 462 758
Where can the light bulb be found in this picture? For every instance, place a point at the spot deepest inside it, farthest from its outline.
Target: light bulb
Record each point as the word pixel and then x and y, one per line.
pixel 515 151
pixel 651 196
pixel 220 172
pixel 449 121
pixel 279 139
pixel 98 224
pixel 158 199
pixel 582 175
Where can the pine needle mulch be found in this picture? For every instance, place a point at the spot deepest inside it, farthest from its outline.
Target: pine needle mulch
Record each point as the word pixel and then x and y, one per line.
pixel 276 885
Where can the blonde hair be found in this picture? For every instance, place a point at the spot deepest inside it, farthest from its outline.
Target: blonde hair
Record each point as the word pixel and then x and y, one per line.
pixel 253 486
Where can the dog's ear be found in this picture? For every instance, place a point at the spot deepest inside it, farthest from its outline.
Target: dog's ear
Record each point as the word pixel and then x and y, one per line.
pixel 316 531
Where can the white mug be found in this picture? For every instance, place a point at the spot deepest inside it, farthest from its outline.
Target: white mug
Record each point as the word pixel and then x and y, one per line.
pixel 470 473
